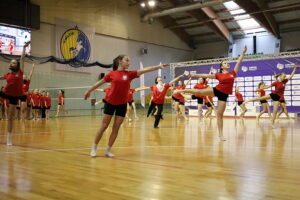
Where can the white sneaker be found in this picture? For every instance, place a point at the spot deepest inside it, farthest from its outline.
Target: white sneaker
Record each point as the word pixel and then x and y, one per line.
pixel 222 139
pixel 93 153
pixel 109 154
pixel 8 141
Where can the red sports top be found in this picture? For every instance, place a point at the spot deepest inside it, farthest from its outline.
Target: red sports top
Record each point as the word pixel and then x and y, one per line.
pixel 43 101
pixel 279 87
pixel 281 98
pixel 178 95
pixel 208 98
pixel 239 96
pixel 201 86
pixel 14 83
pixel 60 98
pixel 48 101
pixel 106 90
pixel 226 81
pixel 261 92
pixel 120 84
pixel 25 87
pixel 130 95
pixel 29 99
pixel 36 99
pixel 159 97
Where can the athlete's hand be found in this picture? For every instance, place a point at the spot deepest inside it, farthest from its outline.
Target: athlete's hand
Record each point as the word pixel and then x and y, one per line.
pixel 245 49
pixel 164 66
pixel 87 95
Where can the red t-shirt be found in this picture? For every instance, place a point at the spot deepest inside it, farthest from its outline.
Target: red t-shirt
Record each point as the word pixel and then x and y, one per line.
pixel 281 98
pixel 29 99
pixel 208 98
pixel 106 90
pixel 239 96
pixel 130 95
pixel 159 97
pixel 261 92
pixel 25 86
pixel 120 84
pixel 226 81
pixel 178 95
pixel 60 98
pixel 279 87
pixel 48 101
pixel 201 86
pixel 14 83
pixel 36 99
pixel 43 101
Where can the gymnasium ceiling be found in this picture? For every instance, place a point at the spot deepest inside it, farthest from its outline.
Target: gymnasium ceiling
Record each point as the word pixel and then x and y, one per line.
pixel 222 20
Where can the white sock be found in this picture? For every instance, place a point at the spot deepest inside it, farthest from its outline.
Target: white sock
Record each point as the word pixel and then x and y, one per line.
pixel 8 139
pixel 94 150
pixel 108 153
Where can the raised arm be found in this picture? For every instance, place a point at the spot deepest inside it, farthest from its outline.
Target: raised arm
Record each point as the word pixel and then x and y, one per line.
pixel 188 81
pixel 176 79
pixel 151 69
pixel 23 55
pixel 31 72
pixel 100 90
pixel 98 84
pixel 238 64
pixel 293 72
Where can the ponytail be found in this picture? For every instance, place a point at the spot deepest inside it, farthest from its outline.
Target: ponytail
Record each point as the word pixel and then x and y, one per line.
pixel 116 61
pixel 221 70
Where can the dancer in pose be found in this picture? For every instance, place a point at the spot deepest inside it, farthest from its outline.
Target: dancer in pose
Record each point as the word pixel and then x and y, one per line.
pixel 239 98
pixel 264 104
pixel 179 99
pixel 279 85
pixel 222 90
pixel 116 101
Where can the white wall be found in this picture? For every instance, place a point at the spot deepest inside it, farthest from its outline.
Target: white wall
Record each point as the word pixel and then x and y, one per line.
pixel 215 50
pixel 290 41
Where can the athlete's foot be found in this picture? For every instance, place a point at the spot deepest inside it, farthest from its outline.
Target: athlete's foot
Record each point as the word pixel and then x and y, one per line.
pixel 93 153
pixel 129 119
pixel 222 139
pixel 8 141
pixel 109 154
pixel 155 127
pixel 273 126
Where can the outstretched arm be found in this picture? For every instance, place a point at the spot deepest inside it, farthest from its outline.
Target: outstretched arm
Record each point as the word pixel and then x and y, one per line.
pixel 151 69
pixel 98 84
pixel 238 64
pixel 100 90
pixel 293 72
pixel 31 72
pixel 23 56
pixel 211 76
pixel 267 87
pixel 142 88
pixel 176 79
pixel 188 81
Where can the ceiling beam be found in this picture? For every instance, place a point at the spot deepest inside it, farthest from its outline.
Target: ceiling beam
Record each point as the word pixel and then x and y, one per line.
pixel 251 7
pixel 270 18
pixel 182 34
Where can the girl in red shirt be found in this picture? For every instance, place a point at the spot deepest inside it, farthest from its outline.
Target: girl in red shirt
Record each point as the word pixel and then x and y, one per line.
pixel 261 92
pixel 279 85
pixel 25 88
pixel 13 90
pixel 47 104
pixel 179 100
pixel 159 92
pixel 222 90
pixel 131 104
pixel 116 100
pixel 36 103
pixel 202 83
pixel 106 90
pixel 61 103
pixel 239 98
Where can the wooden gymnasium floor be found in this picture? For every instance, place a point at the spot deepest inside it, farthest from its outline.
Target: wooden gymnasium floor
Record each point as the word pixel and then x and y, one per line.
pixel 50 161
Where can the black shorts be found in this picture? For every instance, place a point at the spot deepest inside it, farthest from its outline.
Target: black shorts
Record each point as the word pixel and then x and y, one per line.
pixel 130 103
pixel 175 99
pixel 263 101
pixel 240 103
pixel 104 101
pixel 199 99
pixel 12 99
pixel 118 110
pixel 208 104
pixel 274 97
pixel 23 98
pixel 35 107
pixel 48 108
pixel 221 96
pixel 282 101
pixel 60 104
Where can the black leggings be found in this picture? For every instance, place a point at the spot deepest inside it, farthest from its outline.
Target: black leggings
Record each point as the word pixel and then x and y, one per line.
pixel 158 116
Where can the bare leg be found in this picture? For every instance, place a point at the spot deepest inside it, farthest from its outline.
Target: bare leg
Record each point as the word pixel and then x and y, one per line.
pixel 10 116
pixel 275 110
pixel 220 113
pixel 200 110
pixel 283 106
pixel 258 99
pixel 57 110
pixel 243 107
pixel 176 105
pixel 202 92
pixel 105 123
pixel 129 112
pixel 115 129
pixel 263 111
pixel 23 110
pixel 182 110
pixel 134 111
